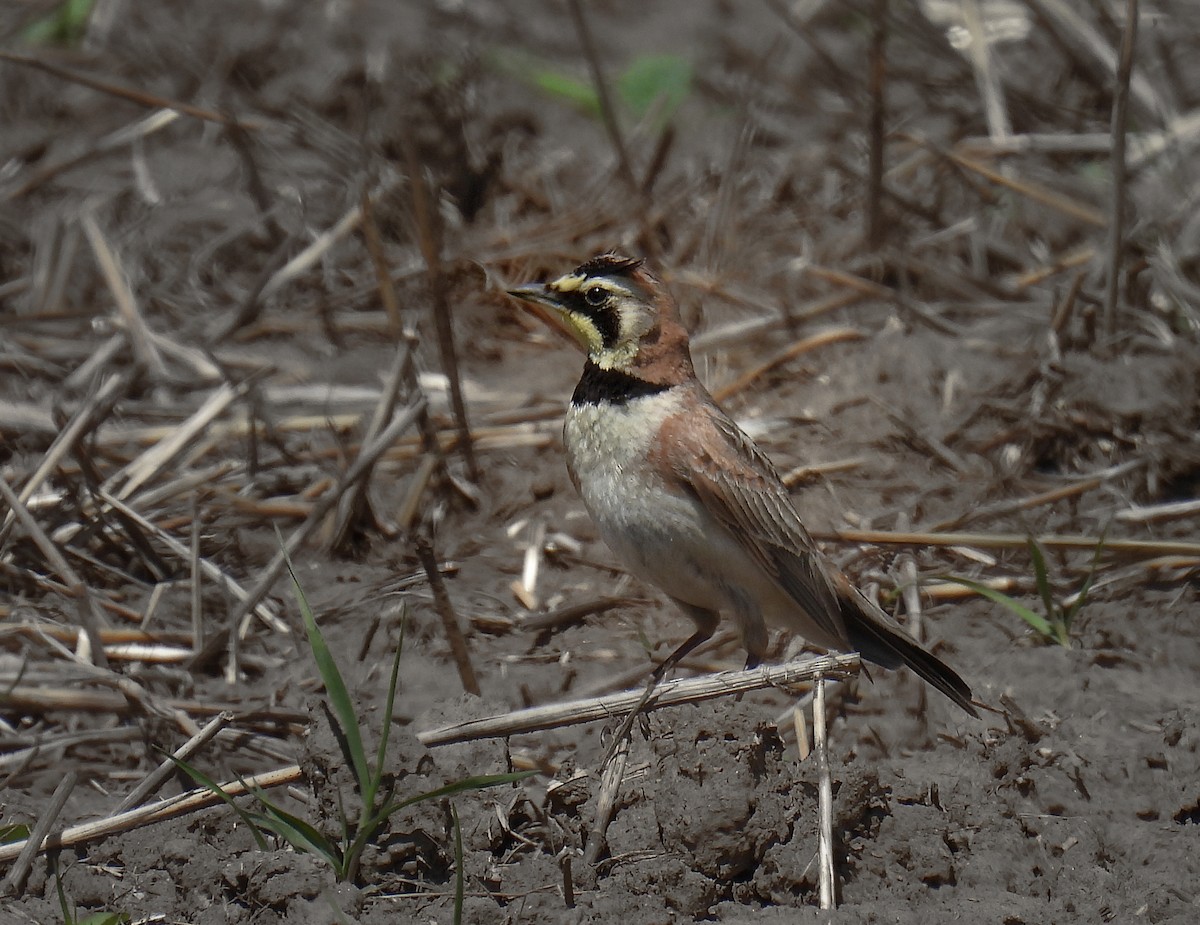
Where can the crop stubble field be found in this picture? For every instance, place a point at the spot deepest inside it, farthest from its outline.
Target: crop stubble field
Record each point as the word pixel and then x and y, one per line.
pixel 216 254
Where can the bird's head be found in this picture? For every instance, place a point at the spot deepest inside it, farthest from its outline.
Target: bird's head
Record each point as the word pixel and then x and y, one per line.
pixel 620 313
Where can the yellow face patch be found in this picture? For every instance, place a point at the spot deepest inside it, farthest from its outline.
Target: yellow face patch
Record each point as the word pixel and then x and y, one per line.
pixel 606 317
pixel 569 283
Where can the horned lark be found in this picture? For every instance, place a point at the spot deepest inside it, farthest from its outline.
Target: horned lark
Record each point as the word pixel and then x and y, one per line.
pixel 684 497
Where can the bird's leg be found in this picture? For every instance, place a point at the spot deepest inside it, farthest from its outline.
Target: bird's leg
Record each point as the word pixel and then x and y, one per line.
pixel 706 624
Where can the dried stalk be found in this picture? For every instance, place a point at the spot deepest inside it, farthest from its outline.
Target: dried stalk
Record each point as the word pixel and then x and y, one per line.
pixel 367 457
pixel 608 113
pixel 76 589
pixel 429 236
pixel 1139 548
pixel 668 693
pixel 84 419
pixel 171 808
pixel 168 768
pixel 878 83
pixel 441 600
pixel 606 800
pixel 210 569
pixel 824 799
pixel 1116 226
pixel 39 836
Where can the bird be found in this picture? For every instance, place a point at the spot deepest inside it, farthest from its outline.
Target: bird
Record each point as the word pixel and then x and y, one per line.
pixel 684 497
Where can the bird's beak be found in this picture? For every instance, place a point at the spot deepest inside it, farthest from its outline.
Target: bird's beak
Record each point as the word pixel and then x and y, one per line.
pixel 535 293
pixel 546 304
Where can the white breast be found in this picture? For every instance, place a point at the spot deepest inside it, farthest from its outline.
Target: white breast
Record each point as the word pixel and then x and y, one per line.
pixel 660 534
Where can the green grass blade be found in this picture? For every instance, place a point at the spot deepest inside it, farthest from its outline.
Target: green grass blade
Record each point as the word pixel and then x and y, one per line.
pixel 68 913
pixel 1042 574
pixel 298 833
pixel 480 782
pixel 654 78
pixel 209 784
pixel 578 93
pixel 13 832
pixel 335 685
pixel 67 25
pixel 388 712
pixel 1081 597
pixel 459 878
pixel 540 73
pixel 106 918
pixel 1035 620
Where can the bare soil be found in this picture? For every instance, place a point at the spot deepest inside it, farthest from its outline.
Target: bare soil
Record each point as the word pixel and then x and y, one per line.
pixel 972 384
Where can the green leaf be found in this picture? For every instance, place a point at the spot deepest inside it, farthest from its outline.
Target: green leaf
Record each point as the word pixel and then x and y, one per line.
pixel 388 712
pixel 459 879
pixel 106 918
pixel 550 80
pixel 13 832
pixel 67 25
pixel 480 782
pixel 1042 574
pixel 656 81
pixel 211 785
pixel 65 905
pixel 581 95
pixel 335 685
pixel 1081 597
pixel 1035 620
pixel 298 833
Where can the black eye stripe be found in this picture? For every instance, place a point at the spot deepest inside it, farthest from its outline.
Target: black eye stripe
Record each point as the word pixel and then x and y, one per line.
pixel 602 316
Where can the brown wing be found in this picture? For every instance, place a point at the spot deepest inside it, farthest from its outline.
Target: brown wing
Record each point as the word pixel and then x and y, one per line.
pixel 739 486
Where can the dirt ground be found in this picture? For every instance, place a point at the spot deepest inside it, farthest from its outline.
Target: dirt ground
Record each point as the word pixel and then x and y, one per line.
pixel 936 357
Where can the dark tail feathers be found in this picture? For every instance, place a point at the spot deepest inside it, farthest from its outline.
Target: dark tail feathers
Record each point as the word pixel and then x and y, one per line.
pixel 891 647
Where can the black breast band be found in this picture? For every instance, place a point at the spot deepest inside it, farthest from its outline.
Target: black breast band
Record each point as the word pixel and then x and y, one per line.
pixel 611 385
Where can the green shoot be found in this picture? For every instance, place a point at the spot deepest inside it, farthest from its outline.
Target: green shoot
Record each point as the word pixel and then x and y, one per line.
pixel 69 914
pixel 1054 625
pixel 344 853
pixel 655 81
pixel 13 832
pixel 66 25
pixel 659 83
pixel 459 876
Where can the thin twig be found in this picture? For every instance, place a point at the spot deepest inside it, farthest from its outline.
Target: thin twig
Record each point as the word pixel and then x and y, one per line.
pixel 910 588
pixel 606 800
pixel 1090 46
pixel 127 310
pixel 76 589
pixel 1033 191
pixel 38 838
pixel 813 342
pixel 1139 548
pixel 1050 496
pixel 1116 225
pixel 608 114
pixel 167 768
pixel 355 498
pixel 140 97
pixel 129 134
pixel 999 126
pixel 668 693
pixel 429 237
pixel 445 609
pixel 84 419
pixel 208 568
pixel 824 799
pixel 171 808
pixel 367 456
pixel 874 210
